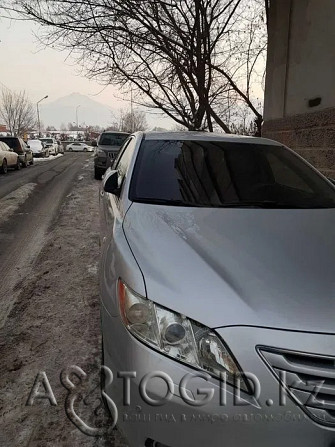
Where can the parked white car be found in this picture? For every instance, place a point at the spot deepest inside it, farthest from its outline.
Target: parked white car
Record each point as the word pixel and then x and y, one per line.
pixel 51 144
pixel 79 146
pixel 8 158
pixel 38 148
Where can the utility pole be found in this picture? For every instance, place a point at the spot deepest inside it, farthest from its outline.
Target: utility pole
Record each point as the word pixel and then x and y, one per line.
pixel 77 117
pixel 38 115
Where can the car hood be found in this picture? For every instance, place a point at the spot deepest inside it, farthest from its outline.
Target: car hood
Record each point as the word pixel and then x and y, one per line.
pixel 223 267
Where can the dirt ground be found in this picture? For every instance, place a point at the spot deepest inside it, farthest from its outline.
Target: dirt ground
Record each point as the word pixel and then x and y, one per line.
pixel 55 325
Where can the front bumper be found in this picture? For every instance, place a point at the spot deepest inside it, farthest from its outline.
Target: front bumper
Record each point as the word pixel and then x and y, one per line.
pixel 105 162
pixel 247 422
pixel 101 163
pixel 22 157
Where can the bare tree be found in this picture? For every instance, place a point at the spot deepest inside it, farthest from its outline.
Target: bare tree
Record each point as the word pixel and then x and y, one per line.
pixel 17 112
pixel 190 59
pixel 133 121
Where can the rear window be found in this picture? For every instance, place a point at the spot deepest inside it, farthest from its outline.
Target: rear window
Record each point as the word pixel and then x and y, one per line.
pixel 13 143
pixel 112 139
pixel 215 174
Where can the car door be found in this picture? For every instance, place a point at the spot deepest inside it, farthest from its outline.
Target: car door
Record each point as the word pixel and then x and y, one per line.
pixel 9 154
pixel 109 203
pixel 2 153
pixel 112 211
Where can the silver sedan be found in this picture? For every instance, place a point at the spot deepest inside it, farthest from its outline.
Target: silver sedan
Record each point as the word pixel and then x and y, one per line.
pixel 217 293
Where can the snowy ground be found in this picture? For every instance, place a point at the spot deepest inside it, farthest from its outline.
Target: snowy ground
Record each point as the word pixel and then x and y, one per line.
pixel 53 321
pixel 51 157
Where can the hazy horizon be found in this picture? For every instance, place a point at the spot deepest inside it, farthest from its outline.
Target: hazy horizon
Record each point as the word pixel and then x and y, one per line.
pixel 46 71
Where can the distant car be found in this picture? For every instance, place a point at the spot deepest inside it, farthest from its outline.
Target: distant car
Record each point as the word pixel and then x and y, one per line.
pixel 79 146
pixel 38 148
pixel 21 148
pixel 108 146
pixel 51 144
pixel 8 158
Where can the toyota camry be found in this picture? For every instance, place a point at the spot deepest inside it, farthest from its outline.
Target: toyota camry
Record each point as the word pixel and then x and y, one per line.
pixel 218 293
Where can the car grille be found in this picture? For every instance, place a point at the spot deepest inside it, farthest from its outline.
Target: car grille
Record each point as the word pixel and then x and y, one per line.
pixel 308 378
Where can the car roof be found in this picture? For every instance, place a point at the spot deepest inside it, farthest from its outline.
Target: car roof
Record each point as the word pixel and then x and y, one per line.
pixel 115 132
pixel 208 136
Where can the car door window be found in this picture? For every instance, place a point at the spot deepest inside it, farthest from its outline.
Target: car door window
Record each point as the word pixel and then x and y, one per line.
pixel 286 176
pixel 123 161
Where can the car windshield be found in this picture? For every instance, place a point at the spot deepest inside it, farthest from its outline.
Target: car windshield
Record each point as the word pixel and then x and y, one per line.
pixel 112 139
pixel 13 143
pixel 34 143
pixel 47 140
pixel 224 174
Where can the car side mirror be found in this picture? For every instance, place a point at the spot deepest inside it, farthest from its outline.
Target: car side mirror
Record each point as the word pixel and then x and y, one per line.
pixel 94 143
pixel 111 183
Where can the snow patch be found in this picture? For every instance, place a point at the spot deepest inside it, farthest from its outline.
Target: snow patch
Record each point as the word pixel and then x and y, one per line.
pixel 10 203
pixel 51 157
pixel 93 269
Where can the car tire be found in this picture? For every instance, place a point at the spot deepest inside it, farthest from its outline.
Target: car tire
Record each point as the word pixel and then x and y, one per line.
pixel 70 149
pixel 25 163
pixel 85 149
pixel 18 164
pixel 31 161
pixel 97 174
pixel 4 167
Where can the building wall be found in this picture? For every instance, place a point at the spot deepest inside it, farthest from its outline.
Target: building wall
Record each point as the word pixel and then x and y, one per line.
pixel 299 108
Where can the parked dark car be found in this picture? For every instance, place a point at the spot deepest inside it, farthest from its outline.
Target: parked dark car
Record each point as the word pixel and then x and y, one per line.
pixel 21 148
pixel 107 148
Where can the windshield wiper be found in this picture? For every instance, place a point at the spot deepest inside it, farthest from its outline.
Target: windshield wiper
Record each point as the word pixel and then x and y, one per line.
pixel 270 204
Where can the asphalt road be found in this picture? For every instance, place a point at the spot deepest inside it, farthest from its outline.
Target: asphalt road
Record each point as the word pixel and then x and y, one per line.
pixel 29 201
pixel 49 307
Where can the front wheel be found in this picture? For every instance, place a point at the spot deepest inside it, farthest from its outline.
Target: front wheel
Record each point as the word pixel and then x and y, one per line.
pixel 18 165
pixel 4 167
pixel 32 161
pixel 25 163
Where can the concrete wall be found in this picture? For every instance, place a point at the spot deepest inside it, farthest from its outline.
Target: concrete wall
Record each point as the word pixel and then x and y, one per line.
pixel 299 107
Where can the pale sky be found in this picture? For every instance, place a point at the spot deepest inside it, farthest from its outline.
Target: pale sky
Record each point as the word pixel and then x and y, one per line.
pixel 48 72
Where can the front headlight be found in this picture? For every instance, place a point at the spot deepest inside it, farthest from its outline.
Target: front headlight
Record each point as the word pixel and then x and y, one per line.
pixel 101 153
pixel 178 337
